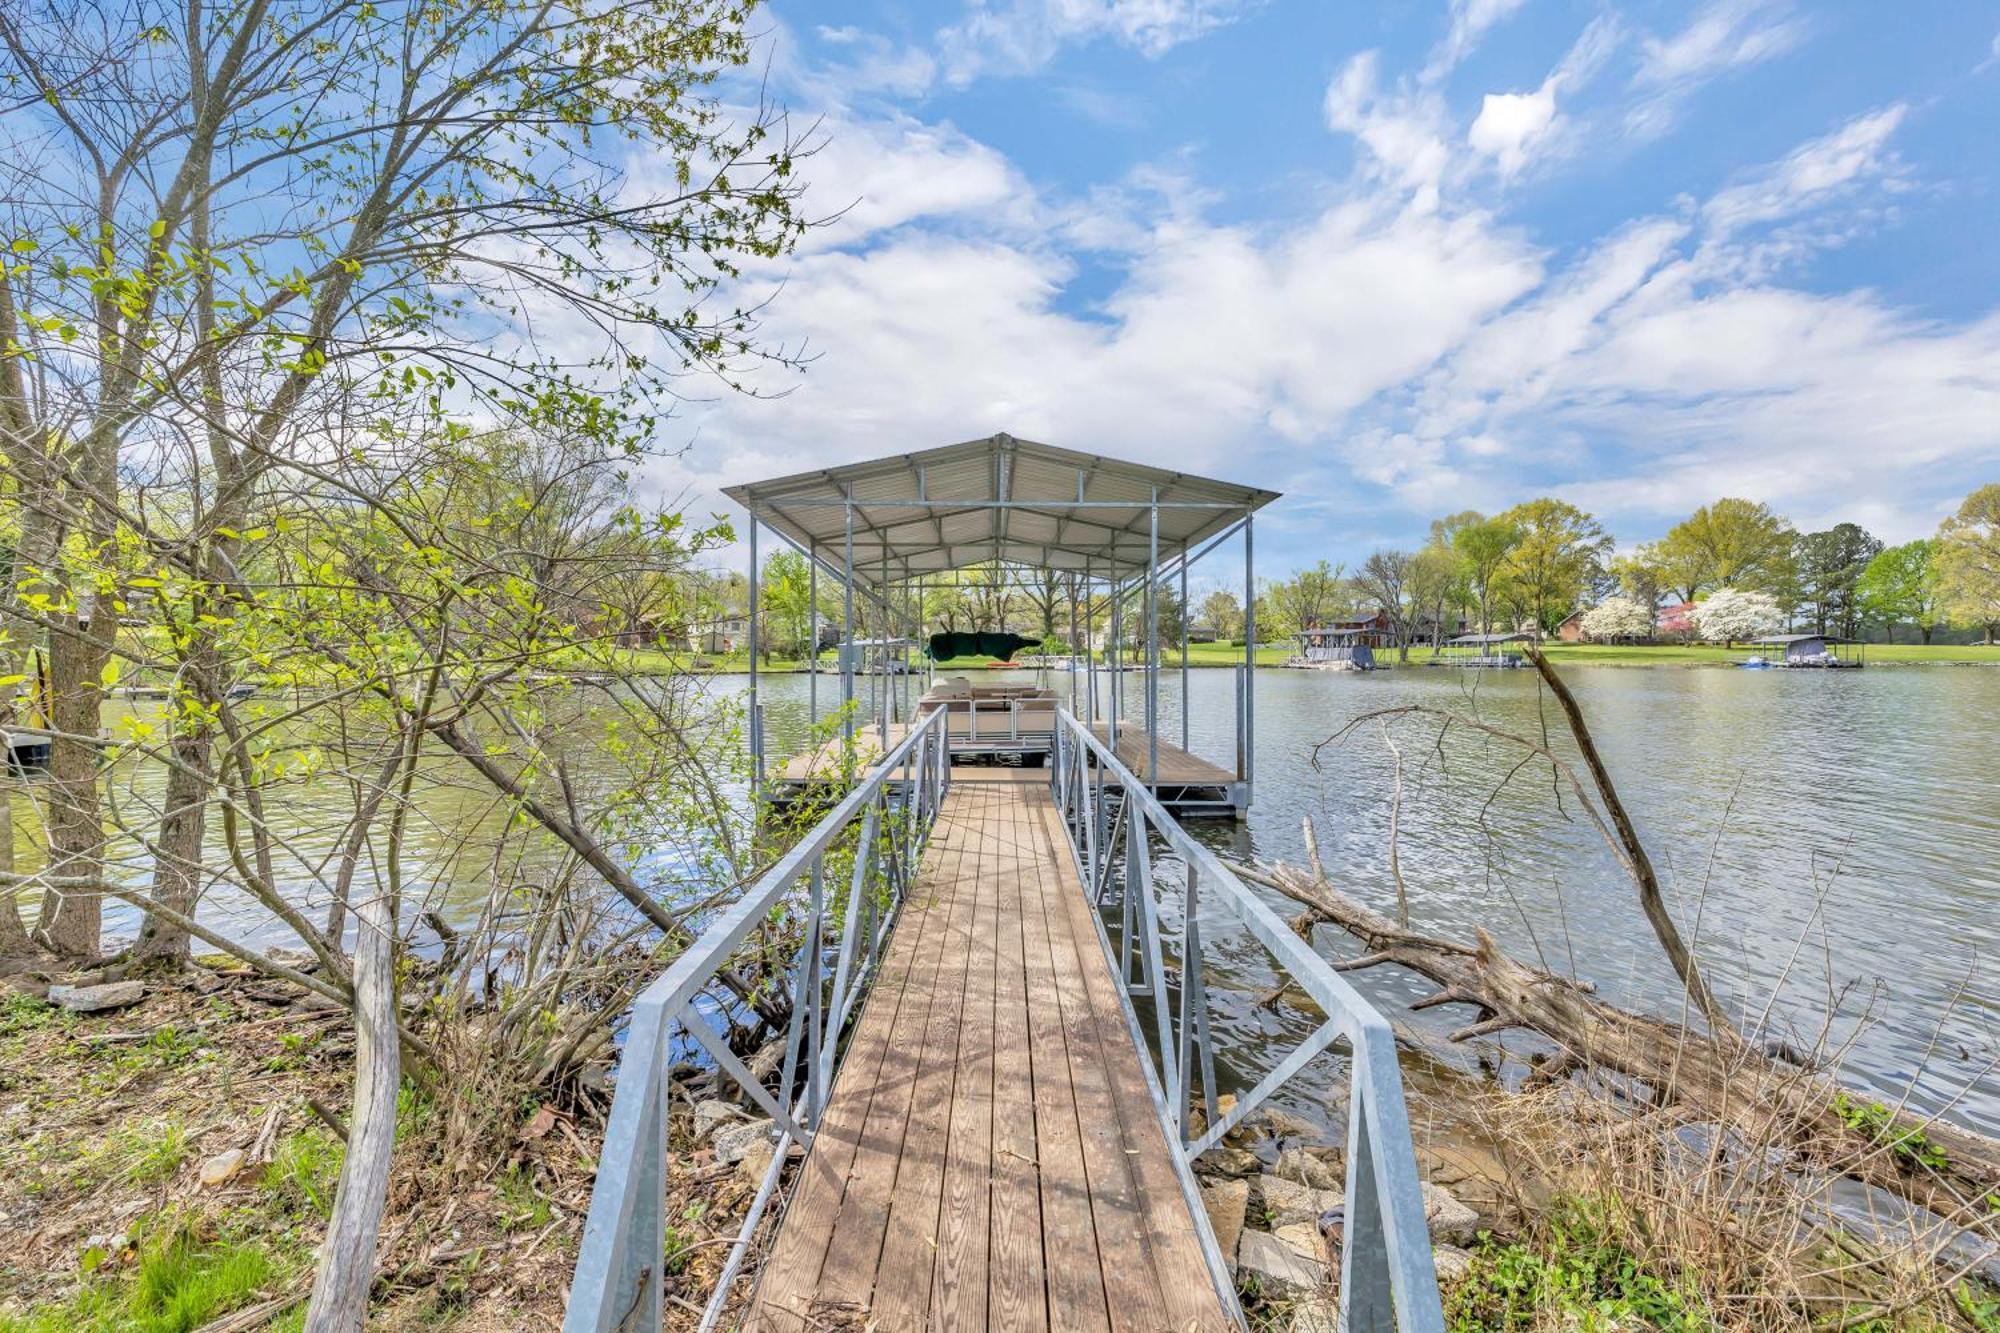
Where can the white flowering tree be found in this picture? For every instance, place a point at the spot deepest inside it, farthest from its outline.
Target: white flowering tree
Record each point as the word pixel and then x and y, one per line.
pixel 1729 614
pixel 1618 618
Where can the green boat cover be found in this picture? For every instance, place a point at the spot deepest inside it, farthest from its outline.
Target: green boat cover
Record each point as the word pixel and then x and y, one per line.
pixel 1002 647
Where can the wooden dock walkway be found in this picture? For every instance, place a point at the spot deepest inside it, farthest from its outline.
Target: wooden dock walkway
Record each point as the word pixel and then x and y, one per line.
pixel 1178 768
pixel 990 1156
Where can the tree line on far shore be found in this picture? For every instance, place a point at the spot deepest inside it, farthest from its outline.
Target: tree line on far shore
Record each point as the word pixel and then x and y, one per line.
pixel 1731 570
pixel 1734 569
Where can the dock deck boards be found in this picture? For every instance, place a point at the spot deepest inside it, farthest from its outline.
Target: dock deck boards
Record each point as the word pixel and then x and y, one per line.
pixel 1178 768
pixel 990 1156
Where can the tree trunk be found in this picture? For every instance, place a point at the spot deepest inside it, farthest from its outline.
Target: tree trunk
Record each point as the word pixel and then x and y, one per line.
pixel 1651 902
pixel 14 941
pixel 347 1255
pixel 177 864
pixel 1717 1078
pixel 70 920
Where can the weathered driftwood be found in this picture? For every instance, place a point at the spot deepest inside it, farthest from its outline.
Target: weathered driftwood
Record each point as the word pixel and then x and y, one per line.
pixel 1719 1078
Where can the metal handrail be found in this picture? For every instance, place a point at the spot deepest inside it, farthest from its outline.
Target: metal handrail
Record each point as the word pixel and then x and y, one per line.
pixel 1388 1281
pixel 618 1283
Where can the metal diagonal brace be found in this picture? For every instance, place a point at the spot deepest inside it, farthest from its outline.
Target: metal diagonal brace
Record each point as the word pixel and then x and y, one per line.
pixel 712 1042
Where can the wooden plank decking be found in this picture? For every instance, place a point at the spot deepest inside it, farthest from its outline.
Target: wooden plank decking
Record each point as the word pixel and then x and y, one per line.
pixel 1178 768
pixel 990 1157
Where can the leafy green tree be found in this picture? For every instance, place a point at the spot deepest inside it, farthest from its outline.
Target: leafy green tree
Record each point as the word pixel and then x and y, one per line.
pixel 1830 566
pixel 1558 553
pixel 250 233
pixel 1437 587
pixel 1317 595
pixel 1384 582
pixel 1168 608
pixel 1223 613
pixel 786 596
pixel 1483 546
pixel 1048 594
pixel 945 605
pixel 1731 543
pixel 989 596
pixel 1968 560
pixel 1641 577
pixel 275 259
pixel 1901 584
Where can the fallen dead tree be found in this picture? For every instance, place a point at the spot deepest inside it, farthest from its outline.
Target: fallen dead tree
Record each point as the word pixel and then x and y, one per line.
pixel 1718 1078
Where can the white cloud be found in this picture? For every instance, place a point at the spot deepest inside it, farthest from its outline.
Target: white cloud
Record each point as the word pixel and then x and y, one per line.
pixel 1811 402
pixel 1510 124
pixel 1220 344
pixel 1855 152
pixel 1723 35
pixel 1392 351
pixel 1470 20
pixel 1404 134
pixel 889 171
pixel 1512 128
pixel 1678 377
pixel 1017 36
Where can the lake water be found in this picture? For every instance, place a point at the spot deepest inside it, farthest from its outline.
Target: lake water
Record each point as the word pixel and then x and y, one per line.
pixel 1830 841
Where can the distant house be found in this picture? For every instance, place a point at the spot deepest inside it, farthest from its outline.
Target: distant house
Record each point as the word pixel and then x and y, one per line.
pixel 1429 629
pixel 719 636
pixel 1201 634
pixel 1369 631
pixel 1571 629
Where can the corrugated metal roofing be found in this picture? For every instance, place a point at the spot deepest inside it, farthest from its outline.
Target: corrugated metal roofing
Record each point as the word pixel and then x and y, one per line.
pixel 997 498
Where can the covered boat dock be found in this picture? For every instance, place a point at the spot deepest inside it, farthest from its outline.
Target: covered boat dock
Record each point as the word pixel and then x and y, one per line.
pixel 999 1047
pixel 1112 533
pixel 1482 650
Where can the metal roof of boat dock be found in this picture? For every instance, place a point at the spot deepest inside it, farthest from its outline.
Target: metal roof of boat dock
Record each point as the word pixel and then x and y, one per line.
pixel 997 498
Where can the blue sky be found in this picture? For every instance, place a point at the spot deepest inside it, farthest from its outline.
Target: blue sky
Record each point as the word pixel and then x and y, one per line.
pixel 1400 259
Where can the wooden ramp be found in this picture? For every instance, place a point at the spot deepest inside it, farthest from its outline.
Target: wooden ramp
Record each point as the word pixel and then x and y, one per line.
pixel 990 1156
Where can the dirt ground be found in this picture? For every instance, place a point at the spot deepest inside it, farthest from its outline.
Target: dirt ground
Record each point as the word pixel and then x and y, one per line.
pixel 120 1136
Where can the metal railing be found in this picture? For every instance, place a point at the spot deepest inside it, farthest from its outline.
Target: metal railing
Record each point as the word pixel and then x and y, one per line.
pixel 618 1282
pixel 1387 1281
